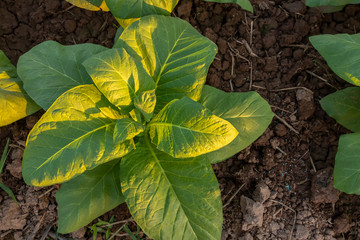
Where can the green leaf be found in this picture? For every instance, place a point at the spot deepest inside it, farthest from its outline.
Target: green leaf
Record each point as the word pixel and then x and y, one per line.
pixel 245 4
pixel 174 53
pixel 126 129
pixel 184 128
pixel 2 162
pixel 119 31
pixel 145 103
pixel 248 112
pixel 88 196
pixel 171 198
pixel 130 233
pixel 119 76
pixel 14 102
pixel 4 156
pixel 331 9
pixel 125 9
pixel 92 5
pixel 50 69
pixel 341 52
pixel 135 115
pixel 344 106
pixel 318 3
pixel 6 68
pixel 347 164
pixel 74 135
pixel 8 191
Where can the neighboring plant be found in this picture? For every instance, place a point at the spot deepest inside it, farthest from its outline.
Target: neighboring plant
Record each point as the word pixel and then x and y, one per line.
pixel 128 11
pixel 14 102
pixel 103 227
pixel 50 69
pixel 330 5
pixel 144 132
pixel 2 162
pixel 92 5
pixel 342 53
pixel 245 4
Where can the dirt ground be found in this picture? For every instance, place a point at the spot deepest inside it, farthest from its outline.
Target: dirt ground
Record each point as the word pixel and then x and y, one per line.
pixel 280 187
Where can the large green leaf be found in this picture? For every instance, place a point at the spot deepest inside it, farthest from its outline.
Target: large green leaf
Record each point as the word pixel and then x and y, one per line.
pixel 174 53
pixel 184 128
pixel 120 77
pixel 245 4
pixel 14 102
pixel 74 135
pixel 8 191
pixel 344 106
pixel 126 129
pixel 145 103
pixel 171 198
pixel 318 3
pixel 50 69
pixel 347 164
pixel 88 196
pixel 6 68
pixel 135 9
pixel 92 5
pixel 248 112
pixel 341 52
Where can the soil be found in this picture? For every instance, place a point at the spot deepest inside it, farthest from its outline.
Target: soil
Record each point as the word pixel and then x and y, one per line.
pixel 280 187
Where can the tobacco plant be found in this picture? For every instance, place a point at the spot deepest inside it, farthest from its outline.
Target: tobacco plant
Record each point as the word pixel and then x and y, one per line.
pixel 140 127
pixel 330 5
pixel 128 11
pixel 14 102
pixel 2 163
pixel 342 53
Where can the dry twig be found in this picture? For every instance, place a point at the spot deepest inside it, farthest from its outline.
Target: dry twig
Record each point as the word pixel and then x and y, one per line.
pixel 45 233
pixel 251 76
pixel 291 88
pixel 65 10
pixel 295 215
pixel 312 163
pixel 256 86
pixel 37 227
pixel 286 124
pixel 118 222
pixel 232 197
pixel 322 79
pixel 251 31
pixel 248 48
pixel 52 188
pixel 303 155
pixel 55 236
pixel 2 236
pixel 281 109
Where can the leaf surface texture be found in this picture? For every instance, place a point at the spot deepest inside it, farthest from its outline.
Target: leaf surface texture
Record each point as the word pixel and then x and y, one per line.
pixel 173 53
pixel 344 107
pixel 347 164
pixel 14 102
pixel 171 198
pixel 248 112
pixel 50 69
pixel 184 128
pixel 341 52
pixel 74 135
pixel 89 196
pixel 119 76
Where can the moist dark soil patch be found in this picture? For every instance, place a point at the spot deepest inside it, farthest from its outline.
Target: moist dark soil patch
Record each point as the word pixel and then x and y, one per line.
pixel 280 187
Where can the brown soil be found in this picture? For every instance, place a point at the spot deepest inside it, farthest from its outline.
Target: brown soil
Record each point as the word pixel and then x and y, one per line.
pixel 283 182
